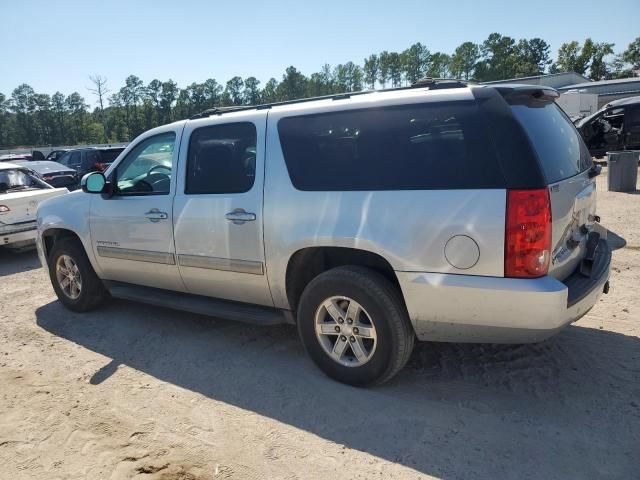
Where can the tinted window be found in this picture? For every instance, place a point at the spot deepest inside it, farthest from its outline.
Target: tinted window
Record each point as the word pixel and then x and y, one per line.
pixel 64 159
pixel 222 159
pixel 145 170
pixel 425 146
pixel 74 160
pixel 634 116
pixel 108 156
pixel 561 151
pixel 91 158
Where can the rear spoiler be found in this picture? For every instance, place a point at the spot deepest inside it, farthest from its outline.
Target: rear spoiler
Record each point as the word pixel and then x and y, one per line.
pixel 531 95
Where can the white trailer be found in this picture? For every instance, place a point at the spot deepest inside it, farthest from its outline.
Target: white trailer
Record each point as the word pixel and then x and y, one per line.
pixel 578 104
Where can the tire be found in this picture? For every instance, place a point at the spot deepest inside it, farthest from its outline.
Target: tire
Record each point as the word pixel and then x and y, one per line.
pixel 91 292
pixel 380 302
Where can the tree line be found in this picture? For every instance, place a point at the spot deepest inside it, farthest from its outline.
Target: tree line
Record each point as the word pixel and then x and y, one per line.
pixel 29 118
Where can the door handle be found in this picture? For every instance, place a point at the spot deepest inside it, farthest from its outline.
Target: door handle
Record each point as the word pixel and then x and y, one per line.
pixel 238 216
pixel 156 215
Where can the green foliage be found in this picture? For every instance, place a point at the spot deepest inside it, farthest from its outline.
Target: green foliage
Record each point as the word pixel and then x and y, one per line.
pixel 439 65
pixel 31 118
pixel 590 56
pixel 531 57
pixel 498 58
pixel 371 66
pixel 464 60
pixel 415 62
pixel 233 92
pixel 632 54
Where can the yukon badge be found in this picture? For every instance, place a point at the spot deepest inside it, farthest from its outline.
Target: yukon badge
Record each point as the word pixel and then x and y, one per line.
pixel 107 243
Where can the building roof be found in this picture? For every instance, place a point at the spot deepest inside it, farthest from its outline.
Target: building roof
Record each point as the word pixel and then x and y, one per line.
pixel 554 80
pixel 546 75
pixel 600 83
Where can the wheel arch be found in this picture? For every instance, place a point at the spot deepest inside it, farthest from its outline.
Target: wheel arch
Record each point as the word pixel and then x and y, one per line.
pixel 307 263
pixel 55 234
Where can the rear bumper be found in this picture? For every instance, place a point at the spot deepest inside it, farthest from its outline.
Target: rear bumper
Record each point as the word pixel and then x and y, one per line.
pixel 465 308
pixel 21 235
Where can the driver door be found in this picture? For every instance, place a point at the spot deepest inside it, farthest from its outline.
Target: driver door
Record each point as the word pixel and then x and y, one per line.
pixel 132 231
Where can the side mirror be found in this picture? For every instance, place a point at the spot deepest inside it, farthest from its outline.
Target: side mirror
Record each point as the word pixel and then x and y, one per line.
pixel 93 182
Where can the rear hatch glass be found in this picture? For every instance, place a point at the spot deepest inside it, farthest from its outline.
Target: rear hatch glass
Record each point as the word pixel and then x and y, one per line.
pixel 564 160
pixel 561 151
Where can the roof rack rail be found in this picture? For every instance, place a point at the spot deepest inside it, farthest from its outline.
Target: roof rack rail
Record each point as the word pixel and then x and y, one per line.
pixel 425 82
pixel 439 83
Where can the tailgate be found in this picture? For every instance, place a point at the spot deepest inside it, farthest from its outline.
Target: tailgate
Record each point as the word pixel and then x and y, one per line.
pixel 22 205
pixel 573 208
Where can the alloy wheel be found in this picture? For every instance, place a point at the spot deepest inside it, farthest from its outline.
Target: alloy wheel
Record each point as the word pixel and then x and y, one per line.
pixel 68 276
pixel 345 331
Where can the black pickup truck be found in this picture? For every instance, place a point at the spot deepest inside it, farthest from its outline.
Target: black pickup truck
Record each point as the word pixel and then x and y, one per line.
pixel 614 127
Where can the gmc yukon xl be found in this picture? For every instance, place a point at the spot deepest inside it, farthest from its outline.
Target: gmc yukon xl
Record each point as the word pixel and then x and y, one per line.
pixel 442 212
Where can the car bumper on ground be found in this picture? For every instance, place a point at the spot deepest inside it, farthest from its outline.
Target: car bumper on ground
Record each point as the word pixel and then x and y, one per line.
pixel 465 308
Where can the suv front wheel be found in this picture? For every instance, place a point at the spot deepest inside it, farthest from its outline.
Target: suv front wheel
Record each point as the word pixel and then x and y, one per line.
pixel 354 325
pixel 73 278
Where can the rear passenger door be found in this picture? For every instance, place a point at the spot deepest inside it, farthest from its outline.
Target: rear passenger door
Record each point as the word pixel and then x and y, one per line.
pixel 218 225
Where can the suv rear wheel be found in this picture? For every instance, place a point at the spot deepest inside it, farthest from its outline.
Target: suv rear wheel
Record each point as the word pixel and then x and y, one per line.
pixel 354 325
pixel 73 278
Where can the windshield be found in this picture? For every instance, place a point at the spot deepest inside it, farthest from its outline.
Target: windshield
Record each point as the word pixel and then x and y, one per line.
pixel 560 149
pixel 14 179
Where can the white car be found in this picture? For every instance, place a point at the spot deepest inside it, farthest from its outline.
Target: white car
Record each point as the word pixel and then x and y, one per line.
pixel 20 194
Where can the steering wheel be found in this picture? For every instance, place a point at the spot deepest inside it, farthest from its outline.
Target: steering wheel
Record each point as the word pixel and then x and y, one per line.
pixel 157 167
pixel 153 180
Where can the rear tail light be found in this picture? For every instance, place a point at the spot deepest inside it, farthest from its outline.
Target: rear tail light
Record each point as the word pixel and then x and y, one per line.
pixel 527 242
pixel 101 166
pixel 47 177
pixel 4 209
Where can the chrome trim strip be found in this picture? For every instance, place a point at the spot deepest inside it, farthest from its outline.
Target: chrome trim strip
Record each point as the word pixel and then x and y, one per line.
pixel 137 255
pixel 226 264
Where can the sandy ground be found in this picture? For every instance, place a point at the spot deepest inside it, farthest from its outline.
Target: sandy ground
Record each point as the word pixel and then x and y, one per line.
pixel 138 392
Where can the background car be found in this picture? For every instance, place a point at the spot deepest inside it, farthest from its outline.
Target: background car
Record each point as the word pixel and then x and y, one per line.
pixel 21 191
pixel 55 174
pixel 614 127
pixel 12 157
pixel 54 155
pixel 85 160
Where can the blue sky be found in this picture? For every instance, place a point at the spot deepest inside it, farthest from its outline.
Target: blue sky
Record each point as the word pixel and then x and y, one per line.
pixel 56 45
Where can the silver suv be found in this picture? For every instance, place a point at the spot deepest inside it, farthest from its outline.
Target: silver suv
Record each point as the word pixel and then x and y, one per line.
pixel 443 212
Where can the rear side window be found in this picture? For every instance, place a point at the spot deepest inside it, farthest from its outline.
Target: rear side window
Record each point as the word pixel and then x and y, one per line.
pixel 222 159
pixel 75 160
pixel 108 156
pixel 91 158
pixel 560 149
pixel 411 147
